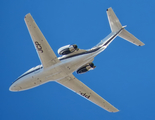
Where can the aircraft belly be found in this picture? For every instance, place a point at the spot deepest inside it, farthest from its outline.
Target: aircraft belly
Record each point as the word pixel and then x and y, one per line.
pixel 66 67
pixel 53 73
pixel 72 64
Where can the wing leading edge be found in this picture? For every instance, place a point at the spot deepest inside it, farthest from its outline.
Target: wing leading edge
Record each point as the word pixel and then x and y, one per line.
pixel 45 52
pixel 77 86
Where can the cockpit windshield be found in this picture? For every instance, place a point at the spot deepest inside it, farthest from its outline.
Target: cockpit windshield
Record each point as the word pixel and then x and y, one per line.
pixel 31 71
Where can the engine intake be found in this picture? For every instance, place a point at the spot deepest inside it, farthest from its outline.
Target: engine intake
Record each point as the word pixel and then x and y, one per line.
pixel 86 68
pixel 67 49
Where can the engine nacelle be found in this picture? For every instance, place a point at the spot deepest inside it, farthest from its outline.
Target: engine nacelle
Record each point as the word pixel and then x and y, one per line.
pixel 67 49
pixel 86 68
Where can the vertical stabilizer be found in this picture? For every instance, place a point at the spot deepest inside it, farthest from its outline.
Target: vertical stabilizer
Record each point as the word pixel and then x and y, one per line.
pixel 114 22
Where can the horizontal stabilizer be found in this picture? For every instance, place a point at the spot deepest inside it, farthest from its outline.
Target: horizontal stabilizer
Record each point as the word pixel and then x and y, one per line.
pixel 131 38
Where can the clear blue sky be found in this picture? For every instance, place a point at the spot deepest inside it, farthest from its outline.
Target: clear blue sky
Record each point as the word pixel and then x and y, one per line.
pixel 124 75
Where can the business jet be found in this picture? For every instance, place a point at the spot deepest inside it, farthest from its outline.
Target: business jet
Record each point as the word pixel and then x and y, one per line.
pixel 71 59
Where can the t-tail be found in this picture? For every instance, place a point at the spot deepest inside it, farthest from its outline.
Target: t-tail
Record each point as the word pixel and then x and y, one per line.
pixel 116 26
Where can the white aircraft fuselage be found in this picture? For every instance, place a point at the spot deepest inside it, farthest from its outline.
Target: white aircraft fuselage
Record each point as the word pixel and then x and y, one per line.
pixel 68 64
pixel 39 75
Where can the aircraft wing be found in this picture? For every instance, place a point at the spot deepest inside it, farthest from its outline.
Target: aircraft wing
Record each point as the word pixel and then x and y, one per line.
pixel 77 86
pixel 45 52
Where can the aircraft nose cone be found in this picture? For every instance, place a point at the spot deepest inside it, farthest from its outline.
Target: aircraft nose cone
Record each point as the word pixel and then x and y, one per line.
pixel 14 88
